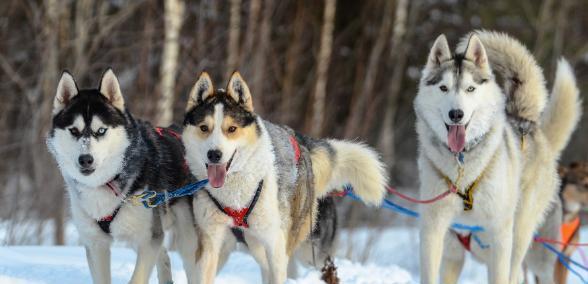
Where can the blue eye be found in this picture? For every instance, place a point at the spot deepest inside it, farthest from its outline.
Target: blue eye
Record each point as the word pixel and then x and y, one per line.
pixel 101 131
pixel 443 88
pixel 470 89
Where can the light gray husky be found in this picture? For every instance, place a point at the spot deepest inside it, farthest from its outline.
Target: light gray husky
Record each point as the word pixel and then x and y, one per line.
pixel 496 146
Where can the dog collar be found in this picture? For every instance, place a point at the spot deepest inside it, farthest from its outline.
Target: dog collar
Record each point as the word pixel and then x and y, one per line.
pixel 239 216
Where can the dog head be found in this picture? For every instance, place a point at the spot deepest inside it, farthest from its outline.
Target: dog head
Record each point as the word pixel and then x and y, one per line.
pixel 219 126
pixel 574 187
pixel 458 97
pixel 88 138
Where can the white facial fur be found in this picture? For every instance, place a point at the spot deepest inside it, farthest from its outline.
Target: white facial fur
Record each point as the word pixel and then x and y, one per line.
pixel 108 151
pixel 197 148
pixel 480 107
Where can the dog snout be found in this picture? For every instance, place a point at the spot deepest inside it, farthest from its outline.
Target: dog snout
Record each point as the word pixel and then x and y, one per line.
pixel 456 115
pixel 214 156
pixel 86 160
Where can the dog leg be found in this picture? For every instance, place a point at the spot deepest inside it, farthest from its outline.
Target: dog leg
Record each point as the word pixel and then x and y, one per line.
pixel 500 253
pixel 147 255
pixel 433 228
pixel 453 259
pixel 257 250
pixel 187 240
pixel 163 265
pixel 523 236
pixel 275 250
pixel 212 241
pixel 98 256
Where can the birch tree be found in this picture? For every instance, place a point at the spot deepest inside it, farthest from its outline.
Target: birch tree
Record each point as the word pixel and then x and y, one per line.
pixel 173 17
pixel 323 60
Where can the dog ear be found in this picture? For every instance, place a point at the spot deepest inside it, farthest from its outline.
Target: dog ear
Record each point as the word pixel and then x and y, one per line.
pixel 439 52
pixel 239 91
pixel 66 90
pixel 202 89
pixel 476 53
pixel 110 88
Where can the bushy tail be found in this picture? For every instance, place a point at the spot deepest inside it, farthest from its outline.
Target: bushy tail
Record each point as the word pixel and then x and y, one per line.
pixel 523 79
pixel 564 109
pixel 349 163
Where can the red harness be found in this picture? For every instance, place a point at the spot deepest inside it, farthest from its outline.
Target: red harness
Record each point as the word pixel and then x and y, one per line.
pixel 240 216
pixel 465 240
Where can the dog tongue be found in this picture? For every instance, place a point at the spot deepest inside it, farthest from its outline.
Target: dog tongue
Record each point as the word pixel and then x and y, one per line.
pixel 216 175
pixel 456 138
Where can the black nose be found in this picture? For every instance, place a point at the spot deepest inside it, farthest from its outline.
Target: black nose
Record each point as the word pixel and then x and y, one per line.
pixel 214 156
pixel 86 160
pixel 456 115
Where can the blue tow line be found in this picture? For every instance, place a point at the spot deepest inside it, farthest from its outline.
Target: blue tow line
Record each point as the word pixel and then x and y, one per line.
pixel 152 199
pixel 565 260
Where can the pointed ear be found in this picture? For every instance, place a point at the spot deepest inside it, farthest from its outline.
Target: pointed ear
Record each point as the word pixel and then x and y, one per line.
pixel 202 89
pixel 239 91
pixel 439 53
pixel 66 90
pixel 476 52
pixel 110 89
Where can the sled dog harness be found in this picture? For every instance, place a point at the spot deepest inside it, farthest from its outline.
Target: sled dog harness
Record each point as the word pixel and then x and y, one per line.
pixel 468 194
pixel 569 229
pixel 239 216
pixel 104 222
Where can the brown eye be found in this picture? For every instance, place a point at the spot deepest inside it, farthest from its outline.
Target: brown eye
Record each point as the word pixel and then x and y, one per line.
pixel 443 88
pixel 232 129
pixel 470 89
pixel 203 128
pixel 74 131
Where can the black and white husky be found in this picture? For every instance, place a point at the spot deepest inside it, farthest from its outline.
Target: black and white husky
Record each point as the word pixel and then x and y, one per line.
pixel 105 156
pixel 265 180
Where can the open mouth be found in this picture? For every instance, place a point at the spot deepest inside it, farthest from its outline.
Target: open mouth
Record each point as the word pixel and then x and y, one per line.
pixel 456 136
pixel 218 172
pixel 87 172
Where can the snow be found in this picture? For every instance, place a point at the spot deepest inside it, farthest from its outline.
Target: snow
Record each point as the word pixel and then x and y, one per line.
pixel 375 256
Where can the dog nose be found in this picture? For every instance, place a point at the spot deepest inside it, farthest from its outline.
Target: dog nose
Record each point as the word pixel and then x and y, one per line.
pixel 85 160
pixel 456 115
pixel 214 156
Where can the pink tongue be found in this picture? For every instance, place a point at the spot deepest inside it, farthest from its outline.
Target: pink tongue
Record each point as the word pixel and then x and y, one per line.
pixel 456 138
pixel 216 175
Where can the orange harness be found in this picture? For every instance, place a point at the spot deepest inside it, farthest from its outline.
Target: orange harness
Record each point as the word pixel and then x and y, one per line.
pixel 569 229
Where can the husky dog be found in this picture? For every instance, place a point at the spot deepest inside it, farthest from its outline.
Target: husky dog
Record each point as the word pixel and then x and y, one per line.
pixel 264 179
pixel 495 147
pixel 105 156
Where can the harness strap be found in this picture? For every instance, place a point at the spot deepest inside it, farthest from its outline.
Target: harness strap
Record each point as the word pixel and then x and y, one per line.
pixel 296 147
pixel 569 229
pixel 465 240
pixel 104 222
pixel 239 216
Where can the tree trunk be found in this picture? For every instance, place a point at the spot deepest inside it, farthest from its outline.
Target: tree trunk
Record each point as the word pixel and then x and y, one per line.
pixel 260 69
pixel 174 15
pixel 234 31
pixel 323 60
pixel 293 55
pixel 358 109
pixel 398 54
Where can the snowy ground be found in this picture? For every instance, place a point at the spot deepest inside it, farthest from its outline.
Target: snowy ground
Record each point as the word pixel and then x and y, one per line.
pixel 389 256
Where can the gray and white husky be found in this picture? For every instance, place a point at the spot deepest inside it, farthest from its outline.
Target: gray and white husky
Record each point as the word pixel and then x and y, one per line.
pixel 496 145
pixel 105 156
pixel 265 180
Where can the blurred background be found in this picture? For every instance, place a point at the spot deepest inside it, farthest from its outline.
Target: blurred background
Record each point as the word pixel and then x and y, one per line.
pixel 344 69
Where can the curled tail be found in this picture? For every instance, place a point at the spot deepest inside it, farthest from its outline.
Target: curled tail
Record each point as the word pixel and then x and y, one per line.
pixel 522 78
pixel 340 162
pixel 564 108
